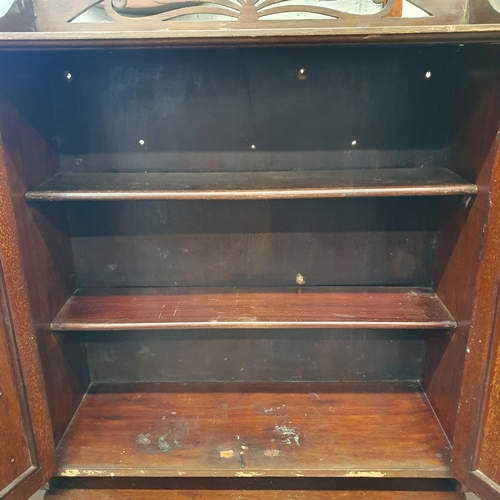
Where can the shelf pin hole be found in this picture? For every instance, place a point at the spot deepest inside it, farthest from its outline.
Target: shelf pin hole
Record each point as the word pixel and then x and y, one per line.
pixel 301 74
pixel 253 146
pixel 142 143
pixel 68 76
pixel 354 143
pixel 428 75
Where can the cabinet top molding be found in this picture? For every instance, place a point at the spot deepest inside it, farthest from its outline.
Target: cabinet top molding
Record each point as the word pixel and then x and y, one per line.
pixel 138 23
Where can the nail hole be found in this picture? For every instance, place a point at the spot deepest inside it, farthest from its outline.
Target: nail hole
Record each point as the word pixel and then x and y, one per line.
pixel 302 75
pixel 68 76
pixel 1 393
pixel 428 75
pixel 12 460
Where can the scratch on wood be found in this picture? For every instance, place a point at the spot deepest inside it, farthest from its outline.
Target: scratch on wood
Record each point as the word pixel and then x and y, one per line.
pixel 226 453
pixel 161 312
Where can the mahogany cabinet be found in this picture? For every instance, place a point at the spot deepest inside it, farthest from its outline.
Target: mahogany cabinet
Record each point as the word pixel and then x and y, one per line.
pixel 251 258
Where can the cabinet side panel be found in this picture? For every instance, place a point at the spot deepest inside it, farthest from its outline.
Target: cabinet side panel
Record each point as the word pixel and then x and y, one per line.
pixel 460 241
pixel 28 139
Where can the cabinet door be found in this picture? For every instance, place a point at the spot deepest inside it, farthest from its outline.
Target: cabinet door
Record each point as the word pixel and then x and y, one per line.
pixel 20 458
pixel 27 451
pixel 476 444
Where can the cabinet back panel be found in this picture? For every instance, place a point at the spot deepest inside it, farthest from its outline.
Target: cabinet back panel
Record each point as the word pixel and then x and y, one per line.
pixel 259 243
pixel 264 356
pixel 251 109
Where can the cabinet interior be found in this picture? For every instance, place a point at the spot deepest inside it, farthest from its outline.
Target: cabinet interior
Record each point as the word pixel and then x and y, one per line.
pixel 252 261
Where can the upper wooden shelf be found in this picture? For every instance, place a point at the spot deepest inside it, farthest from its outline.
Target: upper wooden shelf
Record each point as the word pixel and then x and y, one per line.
pixel 269 307
pixel 252 185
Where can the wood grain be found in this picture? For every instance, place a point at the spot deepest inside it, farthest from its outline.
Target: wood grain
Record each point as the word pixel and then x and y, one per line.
pixel 42 237
pixel 44 460
pixel 352 430
pixel 299 307
pixel 459 254
pixel 252 185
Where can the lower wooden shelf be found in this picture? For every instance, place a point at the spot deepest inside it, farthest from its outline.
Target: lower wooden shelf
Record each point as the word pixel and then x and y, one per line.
pixel 251 430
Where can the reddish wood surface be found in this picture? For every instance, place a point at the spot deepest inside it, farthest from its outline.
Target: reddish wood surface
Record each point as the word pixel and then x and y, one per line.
pixel 252 185
pixel 42 241
pixel 17 454
pixel 351 430
pixel 300 307
pixel 36 412
pixel 460 248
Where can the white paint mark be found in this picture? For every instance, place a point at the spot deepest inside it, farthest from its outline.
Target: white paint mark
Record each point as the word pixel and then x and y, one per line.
pixel 365 474
pixel 144 439
pixel 289 435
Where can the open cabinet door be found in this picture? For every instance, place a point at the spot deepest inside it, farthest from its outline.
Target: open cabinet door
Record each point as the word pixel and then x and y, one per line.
pixel 476 450
pixel 27 452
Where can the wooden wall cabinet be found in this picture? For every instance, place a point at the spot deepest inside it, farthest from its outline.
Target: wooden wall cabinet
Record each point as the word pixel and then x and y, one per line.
pixel 246 271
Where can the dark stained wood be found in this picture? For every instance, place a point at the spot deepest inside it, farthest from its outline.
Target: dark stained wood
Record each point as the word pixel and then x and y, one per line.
pixel 17 452
pixel 353 241
pixel 476 417
pixel 210 107
pixel 285 307
pixel 301 355
pixel 398 33
pixel 351 430
pixel 140 494
pixel 27 135
pixel 35 438
pixel 487 460
pixel 252 185
pixel 460 246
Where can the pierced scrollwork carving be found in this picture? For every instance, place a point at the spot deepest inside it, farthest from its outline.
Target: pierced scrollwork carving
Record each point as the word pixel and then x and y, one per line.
pixel 243 11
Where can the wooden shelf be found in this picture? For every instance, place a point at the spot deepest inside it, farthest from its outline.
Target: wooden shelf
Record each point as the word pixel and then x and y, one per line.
pixel 249 430
pixel 252 185
pixel 270 307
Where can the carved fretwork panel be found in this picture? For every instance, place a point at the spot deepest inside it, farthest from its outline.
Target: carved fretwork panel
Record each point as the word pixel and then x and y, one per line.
pixel 194 15
pixel 17 16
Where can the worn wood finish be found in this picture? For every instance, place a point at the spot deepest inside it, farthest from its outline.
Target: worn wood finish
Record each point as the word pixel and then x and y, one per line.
pixel 461 239
pixel 256 355
pixel 252 185
pixel 45 250
pixel 286 307
pixel 353 430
